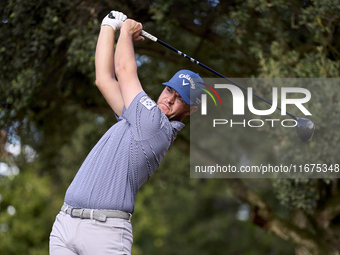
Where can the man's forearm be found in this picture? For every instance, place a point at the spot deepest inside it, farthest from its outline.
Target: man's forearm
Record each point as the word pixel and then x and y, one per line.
pixel 125 55
pixel 125 62
pixel 104 58
pixel 105 74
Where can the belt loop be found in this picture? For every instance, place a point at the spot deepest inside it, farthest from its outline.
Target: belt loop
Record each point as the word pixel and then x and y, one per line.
pixel 91 214
pixel 66 207
pixel 130 217
pixel 81 213
pixel 71 213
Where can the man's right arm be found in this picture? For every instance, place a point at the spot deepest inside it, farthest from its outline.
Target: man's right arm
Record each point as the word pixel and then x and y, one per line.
pixel 105 69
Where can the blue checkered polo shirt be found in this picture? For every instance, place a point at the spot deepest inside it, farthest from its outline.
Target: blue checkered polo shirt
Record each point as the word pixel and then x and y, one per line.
pixel 124 158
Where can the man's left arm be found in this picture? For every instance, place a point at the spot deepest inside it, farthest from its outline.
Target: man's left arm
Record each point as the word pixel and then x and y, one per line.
pixel 125 62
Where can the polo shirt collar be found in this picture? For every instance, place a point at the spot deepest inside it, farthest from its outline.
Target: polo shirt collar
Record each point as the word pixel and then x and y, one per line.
pixel 177 124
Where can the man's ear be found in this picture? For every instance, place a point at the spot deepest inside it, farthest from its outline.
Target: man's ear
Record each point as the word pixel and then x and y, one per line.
pixel 193 108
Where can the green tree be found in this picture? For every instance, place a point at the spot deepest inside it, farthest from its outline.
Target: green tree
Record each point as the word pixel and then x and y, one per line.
pixel 48 100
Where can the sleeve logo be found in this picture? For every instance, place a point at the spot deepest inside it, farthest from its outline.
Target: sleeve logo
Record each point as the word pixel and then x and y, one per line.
pixel 147 102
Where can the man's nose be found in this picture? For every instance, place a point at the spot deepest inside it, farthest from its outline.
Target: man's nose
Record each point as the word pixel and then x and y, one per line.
pixel 171 99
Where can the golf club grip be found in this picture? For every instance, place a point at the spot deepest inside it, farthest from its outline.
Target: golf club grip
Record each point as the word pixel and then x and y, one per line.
pixel 155 39
pixel 149 36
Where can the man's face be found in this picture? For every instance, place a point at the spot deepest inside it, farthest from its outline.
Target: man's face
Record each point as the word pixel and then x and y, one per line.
pixel 172 104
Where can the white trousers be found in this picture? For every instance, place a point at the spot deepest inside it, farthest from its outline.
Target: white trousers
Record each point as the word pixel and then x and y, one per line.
pixel 71 236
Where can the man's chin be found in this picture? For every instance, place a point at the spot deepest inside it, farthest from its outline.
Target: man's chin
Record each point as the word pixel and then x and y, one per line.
pixel 163 107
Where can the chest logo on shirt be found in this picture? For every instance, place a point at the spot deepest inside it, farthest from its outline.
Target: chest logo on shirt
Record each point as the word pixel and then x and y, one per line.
pixel 147 102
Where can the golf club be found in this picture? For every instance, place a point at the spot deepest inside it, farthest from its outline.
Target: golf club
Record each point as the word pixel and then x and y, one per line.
pixel 305 128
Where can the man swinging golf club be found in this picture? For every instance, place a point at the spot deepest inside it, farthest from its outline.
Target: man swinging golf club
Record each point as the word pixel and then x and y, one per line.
pixel 95 218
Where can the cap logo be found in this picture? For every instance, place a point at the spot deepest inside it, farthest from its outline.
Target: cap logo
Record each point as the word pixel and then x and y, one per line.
pixel 187 76
pixel 184 83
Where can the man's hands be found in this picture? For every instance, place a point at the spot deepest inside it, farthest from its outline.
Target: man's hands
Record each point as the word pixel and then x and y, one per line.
pixel 114 19
pixel 133 28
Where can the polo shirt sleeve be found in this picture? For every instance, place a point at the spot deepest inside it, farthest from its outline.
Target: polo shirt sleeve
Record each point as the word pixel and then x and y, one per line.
pixel 145 117
pixel 119 118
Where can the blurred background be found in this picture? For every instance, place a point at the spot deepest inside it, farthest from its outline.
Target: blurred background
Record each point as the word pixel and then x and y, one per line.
pixel 52 114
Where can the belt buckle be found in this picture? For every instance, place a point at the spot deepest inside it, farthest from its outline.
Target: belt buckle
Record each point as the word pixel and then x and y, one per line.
pixel 102 217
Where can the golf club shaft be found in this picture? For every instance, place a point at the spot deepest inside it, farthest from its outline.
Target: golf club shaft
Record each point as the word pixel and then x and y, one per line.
pixel 155 39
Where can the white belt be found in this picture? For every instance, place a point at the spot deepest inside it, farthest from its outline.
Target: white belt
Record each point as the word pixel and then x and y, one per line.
pixel 95 214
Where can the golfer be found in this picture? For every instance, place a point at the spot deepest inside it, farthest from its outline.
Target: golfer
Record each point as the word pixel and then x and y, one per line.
pixel 96 215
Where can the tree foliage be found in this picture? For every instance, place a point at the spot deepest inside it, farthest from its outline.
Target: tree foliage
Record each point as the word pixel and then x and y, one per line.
pixel 48 101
